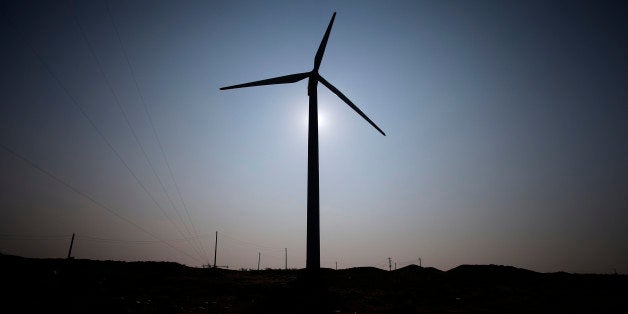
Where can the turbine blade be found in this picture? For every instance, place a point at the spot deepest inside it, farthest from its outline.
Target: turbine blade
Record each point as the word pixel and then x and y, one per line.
pixel 292 78
pixel 346 100
pixel 321 49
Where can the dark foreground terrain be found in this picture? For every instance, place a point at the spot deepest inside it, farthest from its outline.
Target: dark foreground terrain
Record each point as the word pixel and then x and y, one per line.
pixel 86 286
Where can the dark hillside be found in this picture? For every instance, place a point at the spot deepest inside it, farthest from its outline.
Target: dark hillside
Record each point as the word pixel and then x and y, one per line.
pixel 86 286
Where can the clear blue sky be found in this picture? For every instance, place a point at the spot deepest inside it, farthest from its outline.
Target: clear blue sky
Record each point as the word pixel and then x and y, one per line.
pixel 507 128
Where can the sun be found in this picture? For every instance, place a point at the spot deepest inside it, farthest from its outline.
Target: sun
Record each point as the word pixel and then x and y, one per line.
pixel 323 120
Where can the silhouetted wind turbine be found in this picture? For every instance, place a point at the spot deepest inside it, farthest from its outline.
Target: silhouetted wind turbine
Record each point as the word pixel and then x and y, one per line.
pixel 313 227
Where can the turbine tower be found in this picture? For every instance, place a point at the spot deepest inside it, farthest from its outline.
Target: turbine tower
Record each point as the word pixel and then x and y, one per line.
pixel 313 226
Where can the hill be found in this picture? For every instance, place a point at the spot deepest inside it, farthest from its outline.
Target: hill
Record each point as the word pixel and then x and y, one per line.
pixel 80 286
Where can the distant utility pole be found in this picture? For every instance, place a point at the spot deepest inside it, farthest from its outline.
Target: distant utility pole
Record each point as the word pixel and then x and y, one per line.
pixel 71 244
pixel 259 257
pixel 420 262
pixel 215 249
pixel 286 258
pixel 336 265
pixel 389 264
pixel 395 265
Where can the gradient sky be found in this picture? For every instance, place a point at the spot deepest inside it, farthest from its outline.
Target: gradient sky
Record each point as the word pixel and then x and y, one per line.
pixel 507 126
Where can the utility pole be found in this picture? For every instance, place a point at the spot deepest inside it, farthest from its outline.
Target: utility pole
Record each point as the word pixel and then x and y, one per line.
pixel 286 258
pixel 336 265
pixel 389 264
pixel 259 257
pixel 71 244
pixel 215 249
pixel 420 262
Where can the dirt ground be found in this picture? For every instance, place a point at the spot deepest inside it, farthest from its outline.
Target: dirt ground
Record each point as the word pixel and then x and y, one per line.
pixel 86 286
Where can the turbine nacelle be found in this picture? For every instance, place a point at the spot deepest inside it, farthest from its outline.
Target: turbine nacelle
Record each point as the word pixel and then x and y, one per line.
pixel 312 82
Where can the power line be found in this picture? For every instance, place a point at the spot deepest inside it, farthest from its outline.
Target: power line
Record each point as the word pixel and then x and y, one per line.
pixel 80 108
pixel 379 264
pixel 135 137
pixel 248 243
pixel 90 198
pixel 34 237
pixel 111 240
pixel 150 120
pixel 89 238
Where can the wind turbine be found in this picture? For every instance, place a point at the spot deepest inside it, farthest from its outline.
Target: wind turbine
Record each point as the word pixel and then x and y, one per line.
pixel 313 226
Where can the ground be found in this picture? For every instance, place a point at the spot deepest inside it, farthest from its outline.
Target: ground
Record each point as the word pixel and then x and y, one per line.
pixel 87 286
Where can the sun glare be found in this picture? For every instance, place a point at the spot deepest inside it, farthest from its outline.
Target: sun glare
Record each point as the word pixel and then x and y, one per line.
pixel 323 121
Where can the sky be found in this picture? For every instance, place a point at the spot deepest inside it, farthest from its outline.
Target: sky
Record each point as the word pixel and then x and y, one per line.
pixel 506 124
